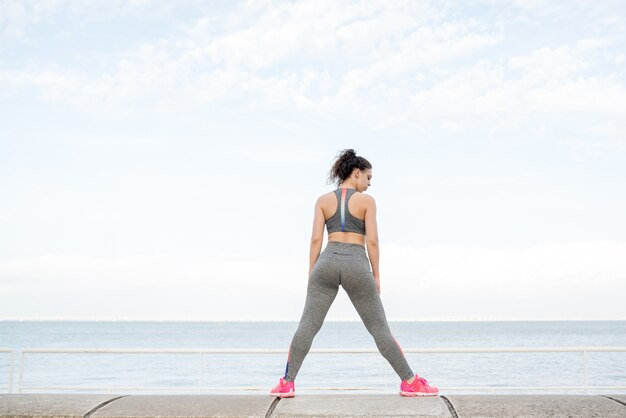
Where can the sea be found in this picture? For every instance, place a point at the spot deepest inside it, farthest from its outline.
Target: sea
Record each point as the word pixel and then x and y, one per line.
pixel 175 372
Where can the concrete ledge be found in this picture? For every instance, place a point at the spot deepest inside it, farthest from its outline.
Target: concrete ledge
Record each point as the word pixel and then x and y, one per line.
pixel 348 405
pixel 531 406
pixel 142 406
pixel 361 405
pixel 51 405
pixel 619 398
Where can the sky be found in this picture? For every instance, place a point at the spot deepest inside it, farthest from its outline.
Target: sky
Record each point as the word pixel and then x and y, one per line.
pixel 161 160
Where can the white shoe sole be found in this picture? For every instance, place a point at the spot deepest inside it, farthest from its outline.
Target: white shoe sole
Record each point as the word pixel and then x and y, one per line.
pixel 284 395
pixel 417 393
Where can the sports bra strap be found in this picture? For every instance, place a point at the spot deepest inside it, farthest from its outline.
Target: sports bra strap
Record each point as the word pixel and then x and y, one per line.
pixel 344 192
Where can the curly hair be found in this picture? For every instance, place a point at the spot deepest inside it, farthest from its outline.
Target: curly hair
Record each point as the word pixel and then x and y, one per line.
pixel 345 162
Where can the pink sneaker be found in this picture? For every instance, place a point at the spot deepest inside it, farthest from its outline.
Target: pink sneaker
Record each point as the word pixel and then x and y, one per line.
pixel 284 389
pixel 419 387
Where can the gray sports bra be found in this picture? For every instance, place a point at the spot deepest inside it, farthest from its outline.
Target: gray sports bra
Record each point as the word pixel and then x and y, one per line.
pixel 343 220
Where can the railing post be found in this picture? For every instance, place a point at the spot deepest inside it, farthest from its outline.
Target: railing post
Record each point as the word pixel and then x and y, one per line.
pixel 201 364
pixel 11 374
pixel 19 386
pixel 385 379
pixel 586 372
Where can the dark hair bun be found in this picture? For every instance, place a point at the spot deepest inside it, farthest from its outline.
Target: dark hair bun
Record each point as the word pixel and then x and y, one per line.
pixel 345 163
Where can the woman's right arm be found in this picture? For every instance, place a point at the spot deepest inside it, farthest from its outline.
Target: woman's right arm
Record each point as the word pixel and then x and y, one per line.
pixel 317 235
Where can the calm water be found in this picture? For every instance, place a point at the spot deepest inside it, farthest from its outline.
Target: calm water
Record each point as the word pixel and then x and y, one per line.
pixel 119 373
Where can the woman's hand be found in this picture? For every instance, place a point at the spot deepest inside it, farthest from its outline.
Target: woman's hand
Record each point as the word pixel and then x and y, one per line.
pixel 377 279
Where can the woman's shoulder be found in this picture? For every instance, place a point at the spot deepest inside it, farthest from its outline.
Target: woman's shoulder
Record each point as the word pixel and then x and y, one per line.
pixel 367 198
pixel 326 197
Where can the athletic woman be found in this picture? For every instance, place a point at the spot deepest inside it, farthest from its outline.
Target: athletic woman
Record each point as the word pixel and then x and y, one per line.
pixel 348 214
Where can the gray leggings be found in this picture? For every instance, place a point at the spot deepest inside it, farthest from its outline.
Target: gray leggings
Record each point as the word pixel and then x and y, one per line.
pixel 346 265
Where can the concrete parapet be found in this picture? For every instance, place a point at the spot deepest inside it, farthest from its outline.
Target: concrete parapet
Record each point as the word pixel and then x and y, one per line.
pixel 51 405
pixel 619 398
pixel 318 405
pixel 531 406
pixel 143 406
pixel 361 405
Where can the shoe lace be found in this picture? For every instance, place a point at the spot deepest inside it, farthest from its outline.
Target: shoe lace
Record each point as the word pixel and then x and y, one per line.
pixel 421 380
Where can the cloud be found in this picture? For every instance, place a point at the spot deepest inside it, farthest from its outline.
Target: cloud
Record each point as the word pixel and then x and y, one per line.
pixel 547 63
pixel 573 278
pixel 569 279
pixel 19 17
pixel 545 80
pixel 318 53
pixel 404 67
pixel 391 60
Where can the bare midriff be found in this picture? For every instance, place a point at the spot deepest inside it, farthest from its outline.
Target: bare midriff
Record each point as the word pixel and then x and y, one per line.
pixel 347 237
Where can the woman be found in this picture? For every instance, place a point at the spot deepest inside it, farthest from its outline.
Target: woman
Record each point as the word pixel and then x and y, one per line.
pixel 347 214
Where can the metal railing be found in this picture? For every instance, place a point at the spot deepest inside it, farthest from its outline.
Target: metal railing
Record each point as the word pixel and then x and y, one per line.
pixel 348 351
pixel 10 352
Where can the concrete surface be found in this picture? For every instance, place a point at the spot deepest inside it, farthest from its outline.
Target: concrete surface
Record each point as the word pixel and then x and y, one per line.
pixel 618 398
pixel 187 406
pixel 529 406
pixel 338 405
pixel 50 405
pixel 361 405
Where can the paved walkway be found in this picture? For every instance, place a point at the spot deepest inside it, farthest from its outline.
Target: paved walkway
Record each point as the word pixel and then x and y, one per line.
pixel 386 405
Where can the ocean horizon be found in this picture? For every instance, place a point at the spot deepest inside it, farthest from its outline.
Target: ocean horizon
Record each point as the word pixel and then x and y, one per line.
pixel 430 319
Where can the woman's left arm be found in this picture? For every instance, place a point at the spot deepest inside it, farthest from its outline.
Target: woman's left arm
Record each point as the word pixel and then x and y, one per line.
pixel 371 238
pixel 317 235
